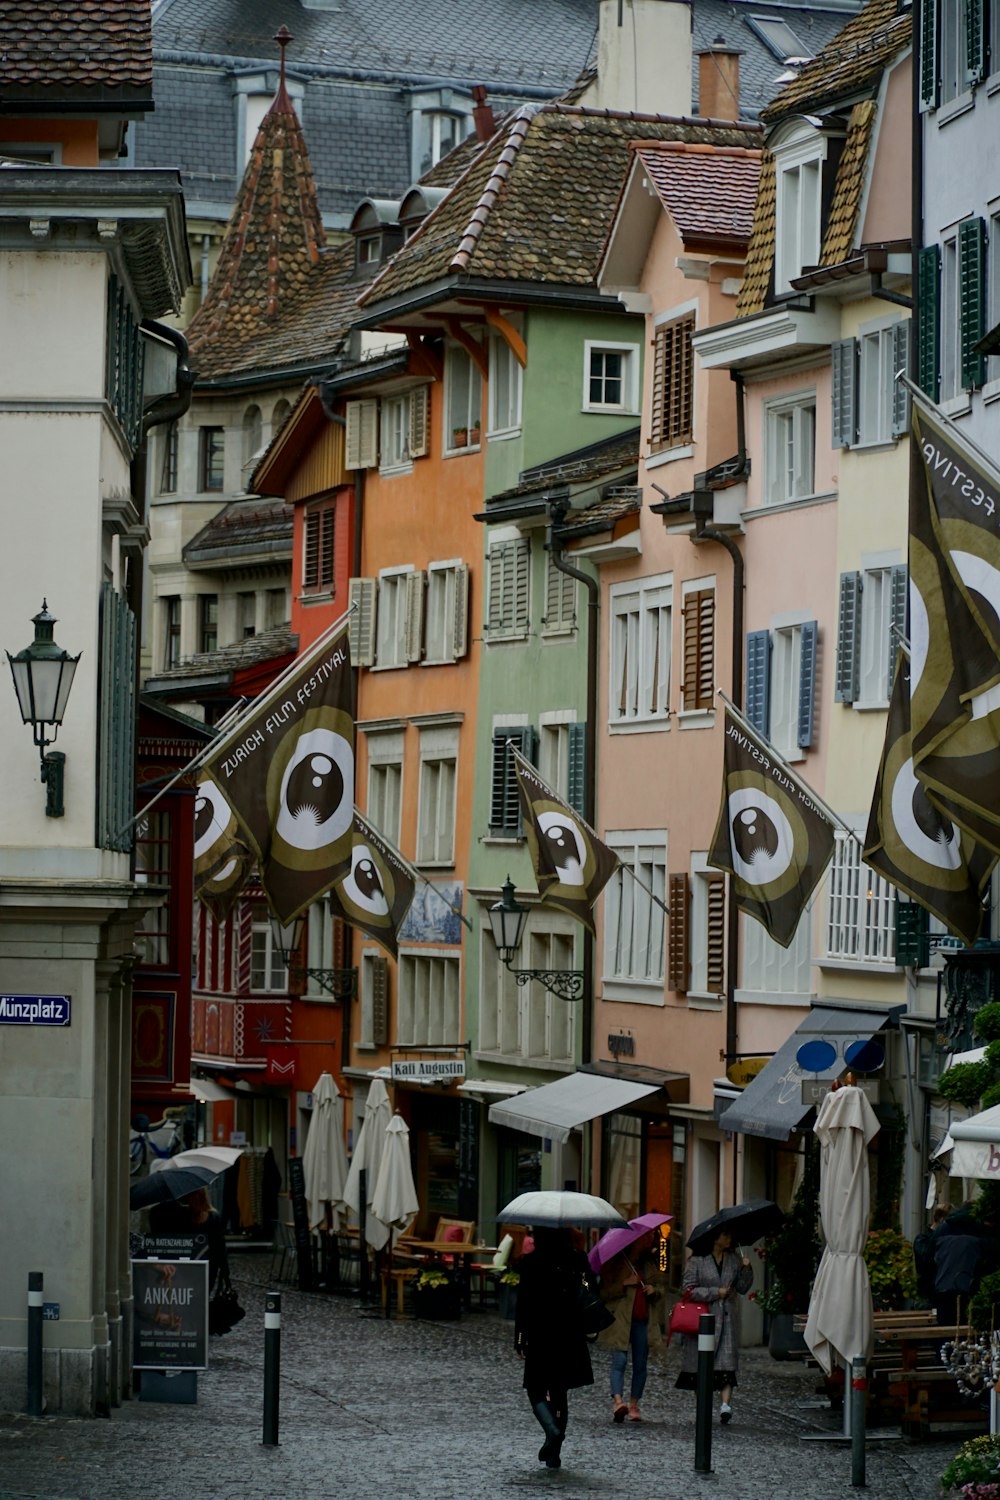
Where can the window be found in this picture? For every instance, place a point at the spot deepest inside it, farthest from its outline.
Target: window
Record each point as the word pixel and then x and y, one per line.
pixel 954 20
pixel 861 911
pixel 634 924
pixel 955 323
pixel 505 806
pixel 781 684
pixel 153 859
pixel 696 952
pixel 211 458
pixel 463 401
pixel 871 619
pixel 437 134
pixel 246 616
pixel 436 813
pixel 508 565
pixel 320 950
pixel 560 600
pixel 610 378
pixel 562 755
pixel 390 645
pixel 429 1000
pixel 276 607
pixel 385 782
pixel 279 414
pixel 778 37
pixel 698 649
pixel 208 622
pixel 527 1023
pixel 251 439
pixel 993 289
pixel 790 449
pixel 267 967
pixel 504 389
pixel 672 412
pixel 171 632
pixel 373 1025
pixel 446 632
pixel 768 968
pixel 168 460
pixel 318 547
pixel 640 651
pixel 798 221
pixel 869 405
pixel 395 453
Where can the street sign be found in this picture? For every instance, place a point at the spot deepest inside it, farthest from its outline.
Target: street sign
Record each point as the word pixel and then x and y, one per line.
pixel 428 1069
pixel 815 1090
pixel 34 1010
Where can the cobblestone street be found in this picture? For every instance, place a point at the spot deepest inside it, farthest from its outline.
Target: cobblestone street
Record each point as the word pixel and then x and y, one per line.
pixel 414 1410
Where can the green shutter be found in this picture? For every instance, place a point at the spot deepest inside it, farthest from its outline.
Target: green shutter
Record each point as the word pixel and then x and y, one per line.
pixel 116 723
pixel 900 391
pixel 972 298
pixel 929 297
pixel 577 771
pixel 929 82
pixel 975 41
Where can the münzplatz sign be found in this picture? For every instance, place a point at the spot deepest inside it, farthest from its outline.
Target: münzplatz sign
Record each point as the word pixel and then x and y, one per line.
pixel 34 1010
pixel 428 1070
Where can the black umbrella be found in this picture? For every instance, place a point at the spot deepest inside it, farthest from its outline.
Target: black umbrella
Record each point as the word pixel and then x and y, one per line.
pixel 746 1222
pixel 169 1185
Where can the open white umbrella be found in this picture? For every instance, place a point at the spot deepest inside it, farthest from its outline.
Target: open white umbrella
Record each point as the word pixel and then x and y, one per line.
pixel 558 1208
pixel 840 1309
pixel 324 1160
pixel 367 1158
pixel 218 1158
pixel 395 1199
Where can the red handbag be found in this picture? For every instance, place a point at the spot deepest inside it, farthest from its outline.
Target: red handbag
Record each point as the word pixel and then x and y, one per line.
pixel 684 1316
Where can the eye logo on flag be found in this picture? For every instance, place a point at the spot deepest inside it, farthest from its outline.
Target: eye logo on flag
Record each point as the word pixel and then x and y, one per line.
pixel 214 825
pixel 761 836
pixel 565 846
pixel 315 794
pixel 571 864
pixel 376 893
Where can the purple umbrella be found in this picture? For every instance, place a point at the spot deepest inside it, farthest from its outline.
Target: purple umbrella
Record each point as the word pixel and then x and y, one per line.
pixel 617 1240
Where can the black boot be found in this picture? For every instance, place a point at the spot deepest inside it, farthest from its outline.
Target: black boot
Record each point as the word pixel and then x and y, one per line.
pixel 548 1453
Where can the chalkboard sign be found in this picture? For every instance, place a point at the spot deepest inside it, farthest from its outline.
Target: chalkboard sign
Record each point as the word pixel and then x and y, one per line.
pixel 468 1158
pixel 300 1217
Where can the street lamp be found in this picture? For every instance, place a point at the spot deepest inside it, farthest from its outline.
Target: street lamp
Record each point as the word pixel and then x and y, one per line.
pixel 286 938
pixel 43 675
pixel 507 920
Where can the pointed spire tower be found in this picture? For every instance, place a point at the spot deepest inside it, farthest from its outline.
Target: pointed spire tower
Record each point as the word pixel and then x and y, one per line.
pixel 272 242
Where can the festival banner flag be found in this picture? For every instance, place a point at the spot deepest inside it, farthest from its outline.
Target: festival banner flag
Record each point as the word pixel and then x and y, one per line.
pixel 287 773
pixel 376 894
pixel 771 837
pixel 571 864
pixel 912 843
pixel 222 861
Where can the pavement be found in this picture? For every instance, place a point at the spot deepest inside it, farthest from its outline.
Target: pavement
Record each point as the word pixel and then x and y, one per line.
pixel 406 1409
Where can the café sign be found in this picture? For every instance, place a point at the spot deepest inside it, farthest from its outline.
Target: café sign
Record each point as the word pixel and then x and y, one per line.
pixel 744 1070
pixel 427 1069
pixel 34 1010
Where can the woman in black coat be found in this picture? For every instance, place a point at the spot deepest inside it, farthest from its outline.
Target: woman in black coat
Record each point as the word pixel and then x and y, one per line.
pixel 548 1333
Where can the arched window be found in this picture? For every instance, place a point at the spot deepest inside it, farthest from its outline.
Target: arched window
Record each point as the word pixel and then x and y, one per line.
pixel 251 439
pixel 281 410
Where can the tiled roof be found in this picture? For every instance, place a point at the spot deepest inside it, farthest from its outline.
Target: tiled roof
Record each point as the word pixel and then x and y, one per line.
pixel 243 526
pixel 760 251
pixel 850 64
pixel 589 465
pixel 623 500
pixel 450 168
pixel 709 191
pixel 536 205
pixel 55 45
pixel 250 652
pixel 838 241
pixel 270 251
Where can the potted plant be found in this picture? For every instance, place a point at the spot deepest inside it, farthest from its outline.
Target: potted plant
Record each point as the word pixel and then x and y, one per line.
pixel 459 437
pixel 435 1294
pixel 507 1293
pixel 975 1470
pixel 891 1272
pixel 474 435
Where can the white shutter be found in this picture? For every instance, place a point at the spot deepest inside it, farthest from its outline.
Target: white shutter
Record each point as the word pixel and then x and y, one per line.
pixel 361 630
pixel 460 639
pixel 362 435
pixel 522 566
pixel 415 589
pixel 419 425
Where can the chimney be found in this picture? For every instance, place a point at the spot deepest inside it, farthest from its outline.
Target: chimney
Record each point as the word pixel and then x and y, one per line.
pixel 482 114
pixel 719 81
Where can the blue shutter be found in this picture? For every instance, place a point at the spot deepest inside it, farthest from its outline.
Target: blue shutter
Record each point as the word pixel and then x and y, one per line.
pixel 848 638
pixel 807 685
pixel 576 790
pixel 900 392
pixel 758 704
pixel 844 391
pixel 898 590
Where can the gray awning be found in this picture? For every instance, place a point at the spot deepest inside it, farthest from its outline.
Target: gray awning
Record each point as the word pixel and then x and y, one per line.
pixel 555 1109
pixel 772 1105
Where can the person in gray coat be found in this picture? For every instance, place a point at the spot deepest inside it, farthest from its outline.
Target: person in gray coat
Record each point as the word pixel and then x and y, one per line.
pixel 718 1278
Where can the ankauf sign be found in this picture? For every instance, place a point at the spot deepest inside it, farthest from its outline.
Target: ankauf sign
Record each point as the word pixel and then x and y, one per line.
pixel 170 1317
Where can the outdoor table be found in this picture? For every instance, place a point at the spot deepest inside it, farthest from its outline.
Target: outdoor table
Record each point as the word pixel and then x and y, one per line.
pixel 461 1248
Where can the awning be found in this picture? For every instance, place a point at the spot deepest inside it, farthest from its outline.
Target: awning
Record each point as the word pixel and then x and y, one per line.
pixel 210 1091
pixel 771 1105
pixel 490 1088
pixel 555 1109
pixel 976 1151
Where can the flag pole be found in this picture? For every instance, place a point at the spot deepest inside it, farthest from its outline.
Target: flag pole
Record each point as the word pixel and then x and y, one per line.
pixel 961 436
pixel 192 765
pixel 803 786
pixel 417 875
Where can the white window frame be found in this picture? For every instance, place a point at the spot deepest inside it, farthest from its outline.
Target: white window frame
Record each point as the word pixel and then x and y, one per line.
pixel 790 448
pixel 503 419
pixel 950 327
pixel 993 242
pixel 553 747
pixel 641 653
pixel 473 403
pixel 769 971
pixel 800 153
pixel 427 111
pixel 528 1024
pixel 860 910
pixel 390 624
pixel 385 782
pixel 635 930
pixel 785 688
pixel 437 796
pixel 951 17
pixel 439 619
pixel 876 617
pixel 394 435
pixel 629 404
pixel 319 948
pixel 876 382
pixel 429 997
pixel 366 1009
pixel 274 968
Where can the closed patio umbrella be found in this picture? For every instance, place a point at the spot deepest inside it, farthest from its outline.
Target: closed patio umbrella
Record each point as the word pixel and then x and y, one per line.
pixel 324 1160
pixel 367 1157
pixel 395 1201
pixel 840 1309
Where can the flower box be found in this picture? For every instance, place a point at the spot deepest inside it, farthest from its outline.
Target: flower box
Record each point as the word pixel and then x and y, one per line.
pixel 436 1296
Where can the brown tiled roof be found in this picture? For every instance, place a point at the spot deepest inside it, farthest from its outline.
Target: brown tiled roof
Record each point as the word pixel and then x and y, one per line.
pixel 580 467
pixel 624 500
pixel 760 251
pixel 270 251
pixel 55 45
pixel 252 650
pixel 838 241
pixel 537 203
pixel 241 526
pixel 709 191
pixel 850 64
pixel 450 168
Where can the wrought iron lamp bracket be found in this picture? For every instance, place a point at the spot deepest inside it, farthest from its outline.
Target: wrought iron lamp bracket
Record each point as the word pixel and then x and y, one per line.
pixel 342 984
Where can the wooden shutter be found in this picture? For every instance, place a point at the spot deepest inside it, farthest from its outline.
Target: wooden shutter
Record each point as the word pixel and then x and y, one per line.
pixel 844 391
pixel 975 41
pixel 560 597
pixel 699 650
pixel 317 563
pixel 899 585
pixel 929 81
pixel 678 946
pixel 310 563
pixel 416 586
pixel 460 624
pixel 509 564
pixel 326 544
pixel 505 804
pixel 900 392
pixel 758 700
pixel 972 298
pixel 361 439
pixel 497 560
pixel 419 424
pixel 361 630
pixel 715 964
pixel 807 684
pixel 672 412
pixel 848 638
pixel 380 1001
pixel 577 768
pixel 929 320
pixel 522 563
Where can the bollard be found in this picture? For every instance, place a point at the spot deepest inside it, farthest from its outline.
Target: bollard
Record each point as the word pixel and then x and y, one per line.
pixel 272 1367
pixel 35 1299
pixel 704 1394
pixel 859 1391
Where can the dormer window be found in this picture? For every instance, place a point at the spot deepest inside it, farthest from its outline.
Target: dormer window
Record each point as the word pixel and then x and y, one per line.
pixel 441 118
pixel 377 234
pixel 801 151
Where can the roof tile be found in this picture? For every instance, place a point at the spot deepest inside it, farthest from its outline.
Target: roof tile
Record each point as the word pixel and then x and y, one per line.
pixel 75 44
pixel 838 241
pixel 709 191
pixel 760 251
pixel 851 63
